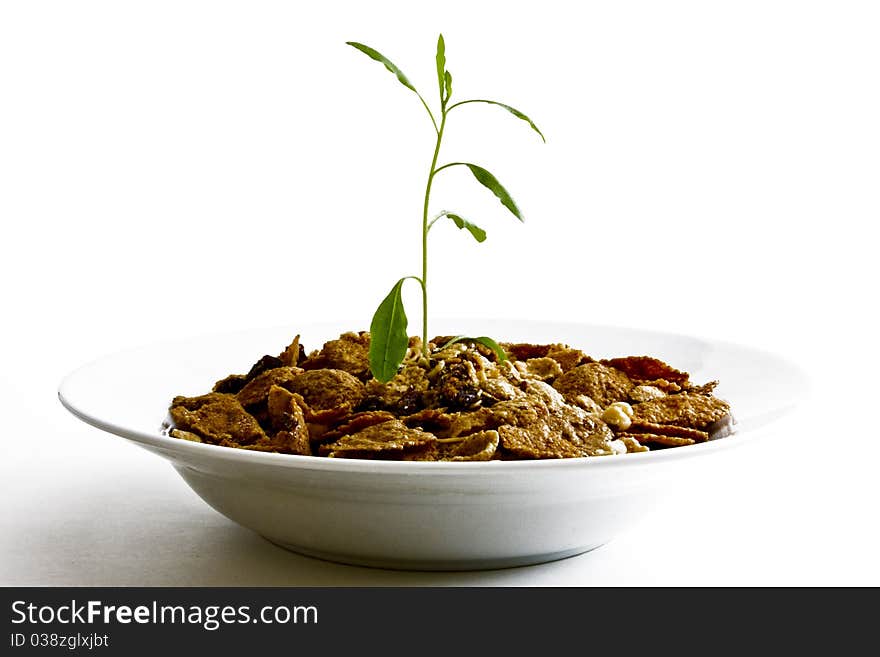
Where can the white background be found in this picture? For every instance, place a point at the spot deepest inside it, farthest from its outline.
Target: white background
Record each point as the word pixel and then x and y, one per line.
pixel 170 169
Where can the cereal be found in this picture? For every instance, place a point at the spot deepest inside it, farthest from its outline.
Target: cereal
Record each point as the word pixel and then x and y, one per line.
pixel 294 354
pixel 392 438
pixel 643 393
pixel 543 368
pixel 646 368
pixel 461 403
pixel 601 383
pixel 669 430
pixel 480 446
pixel 685 410
pixel 327 389
pixel 257 389
pixel 215 417
pixel 658 439
pixel 350 353
pixel 618 415
pixel 358 422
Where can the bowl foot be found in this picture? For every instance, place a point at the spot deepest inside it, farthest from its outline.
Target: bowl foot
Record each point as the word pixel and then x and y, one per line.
pixel 435 565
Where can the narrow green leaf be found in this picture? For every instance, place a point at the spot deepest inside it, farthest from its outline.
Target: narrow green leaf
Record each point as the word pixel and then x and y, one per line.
pixel 441 65
pixel 457 338
pixel 512 110
pixel 494 346
pixel 379 57
pixel 448 80
pixel 484 340
pixel 491 182
pixel 388 335
pixel 478 233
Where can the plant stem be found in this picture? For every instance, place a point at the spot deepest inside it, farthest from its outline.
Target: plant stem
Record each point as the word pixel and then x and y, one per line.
pixel 425 234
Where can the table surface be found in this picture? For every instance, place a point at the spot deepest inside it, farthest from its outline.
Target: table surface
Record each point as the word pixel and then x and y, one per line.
pixel 87 508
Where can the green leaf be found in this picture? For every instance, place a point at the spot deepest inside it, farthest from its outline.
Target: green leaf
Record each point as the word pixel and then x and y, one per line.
pixel 448 81
pixel 441 65
pixel 379 57
pixel 494 346
pixel 388 336
pixel 491 182
pixel 478 233
pixel 484 340
pixel 513 111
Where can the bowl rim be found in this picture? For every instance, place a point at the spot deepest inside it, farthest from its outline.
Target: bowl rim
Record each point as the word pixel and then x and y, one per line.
pixel 168 445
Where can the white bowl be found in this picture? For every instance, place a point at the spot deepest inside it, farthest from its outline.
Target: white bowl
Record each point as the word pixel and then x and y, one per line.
pixel 416 515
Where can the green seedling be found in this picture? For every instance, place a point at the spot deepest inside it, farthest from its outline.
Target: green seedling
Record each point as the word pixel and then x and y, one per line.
pixel 388 330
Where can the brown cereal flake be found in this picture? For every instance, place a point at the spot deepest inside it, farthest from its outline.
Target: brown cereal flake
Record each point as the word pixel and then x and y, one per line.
pixel 287 418
pixel 257 390
pixel 434 420
pixel 293 442
pixel 568 357
pixel 231 384
pixel 458 386
pixel 294 354
pixel 216 417
pixel 543 368
pixel 587 404
pixel 497 389
pixel 328 417
pixel 321 423
pixel 403 394
pixel 283 409
pixel 528 429
pixel 663 385
pixel 601 383
pixel 669 430
pixel 357 422
pixel 646 368
pixel 349 353
pixel 523 351
pixel 658 439
pixel 684 410
pixel 705 389
pixel 390 438
pixel 480 446
pixel 536 442
pixel 327 389
pixel 466 423
pixel 643 393
pixel 517 412
pixel 278 408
